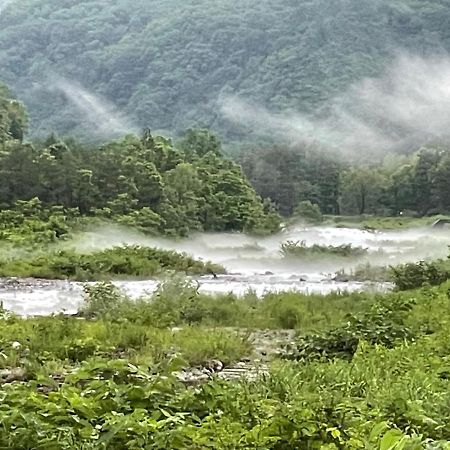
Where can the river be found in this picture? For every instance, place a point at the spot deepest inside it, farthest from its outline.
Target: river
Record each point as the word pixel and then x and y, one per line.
pixel 253 263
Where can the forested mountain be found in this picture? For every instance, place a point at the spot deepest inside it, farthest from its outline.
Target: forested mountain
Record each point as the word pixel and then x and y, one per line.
pixel 165 63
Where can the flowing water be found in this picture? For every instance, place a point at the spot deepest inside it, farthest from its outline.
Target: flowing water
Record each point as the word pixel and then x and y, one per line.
pixel 253 263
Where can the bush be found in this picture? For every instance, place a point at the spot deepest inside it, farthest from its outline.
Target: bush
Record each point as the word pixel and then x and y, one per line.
pixel 414 275
pixel 102 300
pixel 383 325
pixel 300 249
pixel 310 212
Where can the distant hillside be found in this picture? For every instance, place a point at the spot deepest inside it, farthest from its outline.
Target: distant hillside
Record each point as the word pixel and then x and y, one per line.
pixel 165 63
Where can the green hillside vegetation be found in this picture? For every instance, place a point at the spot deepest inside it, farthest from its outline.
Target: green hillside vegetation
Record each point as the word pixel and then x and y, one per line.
pixel 145 182
pixel 160 187
pixel 166 70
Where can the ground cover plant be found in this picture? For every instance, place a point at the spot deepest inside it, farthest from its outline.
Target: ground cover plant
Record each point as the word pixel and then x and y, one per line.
pixel 107 378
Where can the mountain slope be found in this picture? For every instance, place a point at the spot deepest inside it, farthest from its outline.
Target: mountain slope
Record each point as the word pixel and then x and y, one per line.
pixel 165 63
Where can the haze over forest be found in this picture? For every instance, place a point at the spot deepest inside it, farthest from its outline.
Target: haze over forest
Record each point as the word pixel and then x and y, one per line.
pixel 334 72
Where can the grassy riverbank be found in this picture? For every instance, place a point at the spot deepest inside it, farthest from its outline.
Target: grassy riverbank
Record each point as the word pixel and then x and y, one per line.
pixel 118 262
pixel 364 372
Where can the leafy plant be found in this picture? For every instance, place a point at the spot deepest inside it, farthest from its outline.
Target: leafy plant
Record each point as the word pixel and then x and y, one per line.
pixel 414 275
pixel 300 249
pixel 309 212
pixel 383 325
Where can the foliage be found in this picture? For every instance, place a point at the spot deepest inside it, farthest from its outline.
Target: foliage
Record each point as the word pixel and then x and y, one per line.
pixel 177 302
pixel 308 212
pixel 292 175
pixel 167 70
pixel 400 186
pixel 366 272
pixel 117 262
pixel 373 223
pixel 414 275
pixel 13 118
pixel 146 183
pixel 30 224
pixel 383 325
pixel 108 383
pixel 300 249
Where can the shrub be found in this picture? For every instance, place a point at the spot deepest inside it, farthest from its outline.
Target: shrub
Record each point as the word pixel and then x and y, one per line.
pixel 300 249
pixel 102 300
pixel 310 212
pixel 414 275
pixel 383 325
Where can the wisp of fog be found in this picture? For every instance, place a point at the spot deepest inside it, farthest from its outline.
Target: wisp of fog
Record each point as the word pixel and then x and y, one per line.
pixel 103 118
pixel 408 105
pixel 4 4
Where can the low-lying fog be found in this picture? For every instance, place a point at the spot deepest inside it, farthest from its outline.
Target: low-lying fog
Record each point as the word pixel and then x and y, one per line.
pixel 253 263
pixel 249 255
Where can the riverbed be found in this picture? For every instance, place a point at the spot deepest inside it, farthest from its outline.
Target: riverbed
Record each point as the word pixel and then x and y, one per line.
pixel 253 263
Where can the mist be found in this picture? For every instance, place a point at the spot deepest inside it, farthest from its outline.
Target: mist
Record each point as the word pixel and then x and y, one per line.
pixel 4 4
pixel 248 256
pixel 408 105
pixel 103 119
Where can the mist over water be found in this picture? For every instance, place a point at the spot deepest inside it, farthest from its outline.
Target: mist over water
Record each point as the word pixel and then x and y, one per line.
pixel 409 104
pixel 103 119
pixel 249 255
pixel 252 262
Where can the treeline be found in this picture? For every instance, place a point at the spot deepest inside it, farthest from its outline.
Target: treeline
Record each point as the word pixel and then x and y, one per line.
pixel 417 184
pixel 142 181
pixel 152 184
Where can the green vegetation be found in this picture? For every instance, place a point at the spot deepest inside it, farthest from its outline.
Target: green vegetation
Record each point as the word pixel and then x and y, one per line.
pixel 403 187
pixel 299 249
pixel 375 379
pixel 145 182
pixel 366 272
pixel 178 303
pixel 373 223
pixel 32 234
pixel 383 324
pixel 117 262
pixel 345 371
pixel 404 276
pixel 422 273
pixel 167 70
pixel 29 224
pixel 308 212
pixel 158 187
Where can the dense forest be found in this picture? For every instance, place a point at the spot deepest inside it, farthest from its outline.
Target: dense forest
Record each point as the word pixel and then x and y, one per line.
pixel 418 184
pixel 145 182
pixel 153 184
pixel 167 71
